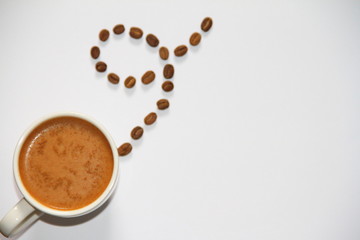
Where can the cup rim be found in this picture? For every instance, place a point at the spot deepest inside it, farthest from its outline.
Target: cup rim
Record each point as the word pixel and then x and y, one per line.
pixel 76 212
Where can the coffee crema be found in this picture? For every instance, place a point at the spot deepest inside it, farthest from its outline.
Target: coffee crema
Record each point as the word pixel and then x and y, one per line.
pixel 66 163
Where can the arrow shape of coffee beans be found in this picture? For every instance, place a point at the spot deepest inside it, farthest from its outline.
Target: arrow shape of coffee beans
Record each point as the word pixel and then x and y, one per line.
pixel 149 76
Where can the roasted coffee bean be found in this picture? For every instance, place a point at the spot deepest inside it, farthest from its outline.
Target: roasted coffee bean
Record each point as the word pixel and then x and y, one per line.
pixel 206 24
pixel 150 118
pixel 164 53
pixel 136 32
pixel 113 78
pixel 95 52
pixel 167 86
pixel 104 35
pixel 130 82
pixel 180 50
pixel 152 40
pixel 148 77
pixel 101 66
pixel 137 132
pixel 195 39
pixel 124 149
pixel 163 104
pixel 119 29
pixel 168 71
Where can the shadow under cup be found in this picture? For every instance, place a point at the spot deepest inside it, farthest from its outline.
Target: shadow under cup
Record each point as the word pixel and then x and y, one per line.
pixel 66 165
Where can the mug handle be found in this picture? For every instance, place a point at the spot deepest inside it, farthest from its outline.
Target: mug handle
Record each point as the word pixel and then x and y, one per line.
pixel 18 218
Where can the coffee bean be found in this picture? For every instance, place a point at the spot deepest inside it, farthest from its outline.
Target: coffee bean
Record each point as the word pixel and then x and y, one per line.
pixel 148 77
pixel 104 35
pixel 163 104
pixel 124 149
pixel 206 24
pixel 150 118
pixel 195 39
pixel 152 40
pixel 180 50
pixel 137 132
pixel 130 82
pixel 119 29
pixel 95 52
pixel 164 53
pixel 168 71
pixel 101 66
pixel 136 32
pixel 167 86
pixel 113 78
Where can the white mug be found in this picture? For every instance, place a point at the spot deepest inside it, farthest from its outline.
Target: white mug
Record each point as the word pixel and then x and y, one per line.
pixel 28 209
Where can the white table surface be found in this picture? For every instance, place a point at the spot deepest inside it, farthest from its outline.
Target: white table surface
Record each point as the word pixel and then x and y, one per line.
pixel 262 139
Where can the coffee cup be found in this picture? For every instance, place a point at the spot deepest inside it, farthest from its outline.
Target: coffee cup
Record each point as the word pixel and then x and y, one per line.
pixel 65 165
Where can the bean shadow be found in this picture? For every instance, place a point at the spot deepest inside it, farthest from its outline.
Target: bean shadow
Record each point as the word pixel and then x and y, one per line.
pixel 147 87
pixel 180 60
pixel 206 34
pixel 195 49
pixel 136 42
pixel 113 87
pixel 149 128
pixel 129 91
pixel 103 44
pixel 163 62
pixel 118 36
pixel 137 143
pixel 94 61
pixel 99 75
pixel 168 94
pixel 151 49
pixel 126 158
pixel 163 113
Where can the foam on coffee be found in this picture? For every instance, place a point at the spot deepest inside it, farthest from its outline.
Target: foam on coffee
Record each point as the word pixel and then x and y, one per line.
pixel 66 163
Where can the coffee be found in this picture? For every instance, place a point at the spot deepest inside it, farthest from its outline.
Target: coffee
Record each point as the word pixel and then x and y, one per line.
pixel 195 39
pixel 180 50
pixel 130 82
pixel 168 71
pixel 136 32
pixel 148 77
pixel 163 104
pixel 124 149
pixel 167 86
pixel 206 24
pixel 101 66
pixel 113 78
pixel 95 52
pixel 150 118
pixel 152 40
pixel 104 35
pixel 164 53
pixel 119 29
pixel 66 163
pixel 137 132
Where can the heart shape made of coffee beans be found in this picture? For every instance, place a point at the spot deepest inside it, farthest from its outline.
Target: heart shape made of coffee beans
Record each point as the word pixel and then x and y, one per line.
pixel 149 76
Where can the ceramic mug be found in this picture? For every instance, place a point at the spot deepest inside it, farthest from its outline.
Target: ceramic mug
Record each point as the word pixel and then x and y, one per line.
pixel 28 209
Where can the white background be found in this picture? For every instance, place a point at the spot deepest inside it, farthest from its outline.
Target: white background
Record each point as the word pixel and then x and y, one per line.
pixel 262 137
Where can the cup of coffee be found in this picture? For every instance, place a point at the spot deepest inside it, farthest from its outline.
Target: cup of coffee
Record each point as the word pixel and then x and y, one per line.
pixel 65 165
